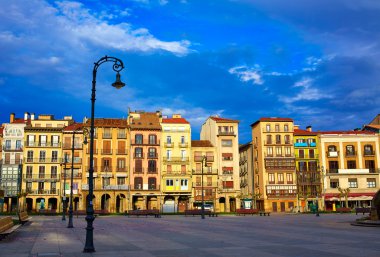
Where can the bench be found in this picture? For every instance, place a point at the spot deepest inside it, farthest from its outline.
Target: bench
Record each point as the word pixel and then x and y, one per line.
pixel 362 210
pixel 264 213
pixel 7 226
pixel 343 210
pixel 23 217
pixel 199 212
pixel 246 211
pixel 146 213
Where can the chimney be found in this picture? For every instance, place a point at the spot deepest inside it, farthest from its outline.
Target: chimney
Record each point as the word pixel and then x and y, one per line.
pixel 26 116
pixel 177 116
pixel 32 116
pixel 308 128
pixel 296 126
pixel 12 118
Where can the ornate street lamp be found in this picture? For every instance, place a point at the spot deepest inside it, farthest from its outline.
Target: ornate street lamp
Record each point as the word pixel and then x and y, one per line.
pixel 117 66
pixel 64 189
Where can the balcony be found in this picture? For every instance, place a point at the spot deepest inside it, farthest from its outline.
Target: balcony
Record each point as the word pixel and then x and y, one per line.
pixel 169 145
pixel 226 133
pixel 369 153
pixel 88 168
pixel 145 187
pixel 209 158
pixel 281 191
pixel 278 155
pixel 332 171
pixel 106 151
pixel 41 177
pixel 12 149
pixel 88 151
pixel 152 171
pixel 138 156
pixel 152 155
pixel 206 171
pixel 43 160
pixel 176 159
pixel 205 198
pixel 183 145
pixel 116 187
pixel 107 168
pixel 332 154
pixel 121 151
pixel 70 146
pixel 176 173
pixel 68 175
pixel 205 184
pixel 350 153
pixel 138 170
pixel 14 162
pixel 301 144
pixel 227 172
pixel 42 144
pixel 42 192
pixel 281 167
pixel 145 142
pixel 121 169
pixel 307 156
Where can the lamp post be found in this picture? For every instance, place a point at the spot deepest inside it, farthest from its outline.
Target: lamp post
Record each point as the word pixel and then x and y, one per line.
pixel 204 160
pixel 117 66
pixel 64 190
pixel 317 214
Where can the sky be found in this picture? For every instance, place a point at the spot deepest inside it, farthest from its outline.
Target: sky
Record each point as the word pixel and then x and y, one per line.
pixel 317 62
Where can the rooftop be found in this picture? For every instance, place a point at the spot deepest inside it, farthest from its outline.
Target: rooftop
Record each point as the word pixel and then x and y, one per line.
pixel 272 119
pixel 108 123
pixel 146 120
pixel 175 120
pixel 201 143
pixel 223 120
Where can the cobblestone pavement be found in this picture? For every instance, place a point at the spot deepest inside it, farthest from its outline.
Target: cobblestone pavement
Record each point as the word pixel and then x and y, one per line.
pixel 179 236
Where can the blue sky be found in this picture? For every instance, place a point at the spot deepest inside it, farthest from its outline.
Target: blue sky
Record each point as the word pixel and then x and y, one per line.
pixel 317 62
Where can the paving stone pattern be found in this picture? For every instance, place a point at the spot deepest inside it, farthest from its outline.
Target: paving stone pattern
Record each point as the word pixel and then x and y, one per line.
pixel 179 236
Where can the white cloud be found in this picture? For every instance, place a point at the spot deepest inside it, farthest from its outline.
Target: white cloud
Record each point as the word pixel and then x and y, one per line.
pixel 247 74
pixel 307 92
pixel 163 2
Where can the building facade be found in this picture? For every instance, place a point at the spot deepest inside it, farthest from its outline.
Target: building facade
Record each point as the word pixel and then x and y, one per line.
pixel 145 160
pixel 223 134
pixel 205 176
pixel 274 164
pixel 12 159
pixel 175 163
pixel 111 158
pixel 350 164
pixel 309 173
pixel 247 185
pixel 42 169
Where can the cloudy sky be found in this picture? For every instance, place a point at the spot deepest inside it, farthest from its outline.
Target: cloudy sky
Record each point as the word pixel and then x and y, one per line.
pixel 317 62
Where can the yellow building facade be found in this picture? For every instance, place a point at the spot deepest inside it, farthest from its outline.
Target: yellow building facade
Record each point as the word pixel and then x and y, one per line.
pixel 42 169
pixel 111 158
pixel 175 164
pixel 274 164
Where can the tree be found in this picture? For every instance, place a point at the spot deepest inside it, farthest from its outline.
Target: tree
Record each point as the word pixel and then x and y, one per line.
pixel 344 193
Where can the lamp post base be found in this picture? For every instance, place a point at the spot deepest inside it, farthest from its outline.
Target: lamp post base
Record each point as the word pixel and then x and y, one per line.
pixel 89 245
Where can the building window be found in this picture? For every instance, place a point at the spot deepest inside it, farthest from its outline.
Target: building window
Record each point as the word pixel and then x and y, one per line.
pixel 278 139
pixel 277 128
pixel 301 153
pixel 152 152
pixel 29 171
pixel 280 178
pixel 278 151
pixel 368 150
pixel 168 154
pixel 350 150
pixel 168 139
pixel 289 178
pixel 41 172
pixel 352 183
pixel 138 183
pixel 138 152
pixel 53 171
pixel 269 139
pixel 152 139
pixel 182 139
pixel 54 156
pixel 333 167
pixel 152 183
pixel 286 128
pixel 29 156
pixel 351 164
pixel 226 143
pixel 139 139
pixel 169 182
pixel 152 166
pixel 371 182
pixel 121 181
pixel 184 182
pixel 271 178
pixel 334 183
pixel 42 156
pixel 267 127
pixel 287 139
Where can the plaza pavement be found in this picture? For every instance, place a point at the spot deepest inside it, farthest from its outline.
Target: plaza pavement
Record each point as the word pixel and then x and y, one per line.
pixel 179 236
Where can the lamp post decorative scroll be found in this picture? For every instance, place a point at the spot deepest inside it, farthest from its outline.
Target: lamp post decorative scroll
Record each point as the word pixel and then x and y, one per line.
pixel 117 67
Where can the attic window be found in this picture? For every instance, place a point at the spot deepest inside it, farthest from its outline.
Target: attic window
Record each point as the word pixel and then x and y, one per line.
pixel 150 123
pixel 139 123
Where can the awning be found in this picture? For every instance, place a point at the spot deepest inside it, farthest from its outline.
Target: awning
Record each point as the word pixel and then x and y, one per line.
pixel 351 196
pixel 226 154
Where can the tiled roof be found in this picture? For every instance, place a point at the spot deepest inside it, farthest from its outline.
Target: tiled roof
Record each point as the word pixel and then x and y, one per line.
pixel 20 121
pixel 73 127
pixel 223 120
pixel 201 143
pixel 373 126
pixel 175 120
pixel 301 132
pixel 147 120
pixel 108 123
pixel 272 119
